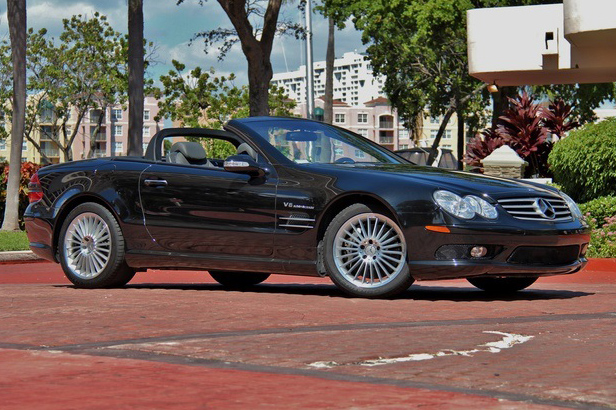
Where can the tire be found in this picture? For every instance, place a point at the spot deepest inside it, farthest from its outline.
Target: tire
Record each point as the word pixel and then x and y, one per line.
pixel 91 248
pixel 501 285
pixel 365 253
pixel 238 280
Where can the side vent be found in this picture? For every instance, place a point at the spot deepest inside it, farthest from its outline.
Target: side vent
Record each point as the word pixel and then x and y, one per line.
pixel 297 221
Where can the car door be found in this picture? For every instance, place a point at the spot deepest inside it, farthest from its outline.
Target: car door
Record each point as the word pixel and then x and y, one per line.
pixel 192 209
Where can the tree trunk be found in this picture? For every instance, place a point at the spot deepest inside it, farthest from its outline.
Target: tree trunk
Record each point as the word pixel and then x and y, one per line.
pixel 461 139
pixel 439 134
pixel 328 115
pixel 135 77
pixel 259 76
pixel 16 12
pixel 500 102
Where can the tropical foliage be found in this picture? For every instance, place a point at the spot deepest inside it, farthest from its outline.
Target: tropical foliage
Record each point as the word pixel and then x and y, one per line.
pixel 27 170
pixel 525 126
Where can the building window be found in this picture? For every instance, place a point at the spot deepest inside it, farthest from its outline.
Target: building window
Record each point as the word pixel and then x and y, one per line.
pixel 24 146
pixel 117 130
pixel 433 133
pixel 116 114
pixel 404 146
pixel 118 146
pixel 146 131
pixel 403 133
pixel 362 118
pixel 360 154
pixel 146 115
pixel 435 120
pixel 2 145
pixel 94 114
pixel 144 146
pixel 339 118
pixel 447 134
pixel 363 132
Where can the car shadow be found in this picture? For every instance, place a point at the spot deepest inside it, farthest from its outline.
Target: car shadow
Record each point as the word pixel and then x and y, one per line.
pixel 415 292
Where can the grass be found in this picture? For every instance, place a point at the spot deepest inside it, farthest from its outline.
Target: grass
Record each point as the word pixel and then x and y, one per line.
pixel 13 241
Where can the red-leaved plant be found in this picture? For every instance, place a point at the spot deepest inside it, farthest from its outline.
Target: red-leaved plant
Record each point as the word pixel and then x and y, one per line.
pixel 525 127
pixel 481 146
pixel 556 118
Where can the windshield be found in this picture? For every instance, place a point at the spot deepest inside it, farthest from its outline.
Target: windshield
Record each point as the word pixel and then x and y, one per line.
pixel 307 142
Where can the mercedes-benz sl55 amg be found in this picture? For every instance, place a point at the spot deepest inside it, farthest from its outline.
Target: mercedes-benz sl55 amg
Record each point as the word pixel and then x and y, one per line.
pixel 293 196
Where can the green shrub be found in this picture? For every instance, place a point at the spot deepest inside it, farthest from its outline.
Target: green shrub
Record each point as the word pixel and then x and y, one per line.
pixel 600 214
pixel 599 209
pixel 584 163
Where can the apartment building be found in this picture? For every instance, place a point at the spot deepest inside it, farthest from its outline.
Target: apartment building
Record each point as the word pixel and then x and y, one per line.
pixel 378 121
pixel 354 81
pixel 110 140
pixel 112 136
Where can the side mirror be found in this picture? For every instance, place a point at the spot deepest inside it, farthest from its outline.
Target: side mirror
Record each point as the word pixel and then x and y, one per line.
pixel 243 164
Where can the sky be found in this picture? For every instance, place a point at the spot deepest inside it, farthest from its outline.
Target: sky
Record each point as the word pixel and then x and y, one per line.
pixel 171 28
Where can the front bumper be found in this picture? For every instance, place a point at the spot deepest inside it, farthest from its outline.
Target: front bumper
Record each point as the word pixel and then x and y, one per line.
pixel 425 265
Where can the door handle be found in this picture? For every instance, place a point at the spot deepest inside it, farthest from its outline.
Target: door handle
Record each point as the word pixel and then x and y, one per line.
pixel 156 183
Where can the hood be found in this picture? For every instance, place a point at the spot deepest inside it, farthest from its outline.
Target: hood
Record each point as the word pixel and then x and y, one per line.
pixel 463 183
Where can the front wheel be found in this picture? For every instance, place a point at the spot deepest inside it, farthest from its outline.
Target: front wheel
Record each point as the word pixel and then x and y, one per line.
pixel 92 248
pixel 238 279
pixel 501 285
pixel 365 253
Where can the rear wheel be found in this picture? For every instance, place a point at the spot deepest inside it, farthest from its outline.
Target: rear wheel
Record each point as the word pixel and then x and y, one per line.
pixel 92 248
pixel 238 279
pixel 365 253
pixel 501 285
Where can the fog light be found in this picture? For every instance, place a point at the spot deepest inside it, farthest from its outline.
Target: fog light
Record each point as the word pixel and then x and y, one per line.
pixel 479 251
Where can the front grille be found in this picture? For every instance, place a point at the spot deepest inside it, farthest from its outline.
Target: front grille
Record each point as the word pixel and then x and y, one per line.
pixel 537 209
pixel 545 255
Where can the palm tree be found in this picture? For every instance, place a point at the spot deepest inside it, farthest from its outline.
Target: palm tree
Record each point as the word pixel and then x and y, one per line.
pixel 135 77
pixel 16 12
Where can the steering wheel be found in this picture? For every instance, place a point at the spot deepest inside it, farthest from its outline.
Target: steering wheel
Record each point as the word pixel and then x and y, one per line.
pixel 344 160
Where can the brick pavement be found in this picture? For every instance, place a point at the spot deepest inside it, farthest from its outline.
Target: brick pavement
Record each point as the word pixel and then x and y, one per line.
pixel 298 343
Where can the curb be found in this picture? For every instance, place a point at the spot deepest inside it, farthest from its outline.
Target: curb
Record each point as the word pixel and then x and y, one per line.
pixel 19 257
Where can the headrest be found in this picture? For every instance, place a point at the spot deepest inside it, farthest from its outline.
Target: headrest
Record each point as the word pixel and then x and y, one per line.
pixel 244 148
pixel 193 151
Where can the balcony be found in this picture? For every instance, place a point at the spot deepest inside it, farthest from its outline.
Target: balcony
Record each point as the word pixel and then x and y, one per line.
pixel 99 153
pixel 50 152
pixel 386 140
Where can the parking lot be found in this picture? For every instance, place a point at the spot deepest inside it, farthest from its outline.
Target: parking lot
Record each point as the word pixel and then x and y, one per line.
pixel 177 339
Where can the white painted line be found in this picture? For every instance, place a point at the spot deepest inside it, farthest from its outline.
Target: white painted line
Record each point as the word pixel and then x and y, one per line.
pixel 508 341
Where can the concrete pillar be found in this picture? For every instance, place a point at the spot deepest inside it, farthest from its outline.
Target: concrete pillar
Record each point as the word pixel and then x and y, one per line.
pixel 504 162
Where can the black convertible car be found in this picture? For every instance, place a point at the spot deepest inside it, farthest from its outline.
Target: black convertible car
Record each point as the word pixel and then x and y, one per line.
pixel 297 197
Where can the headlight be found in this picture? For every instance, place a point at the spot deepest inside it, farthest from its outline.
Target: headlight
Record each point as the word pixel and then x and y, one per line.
pixel 482 207
pixel 575 210
pixel 465 208
pixel 454 204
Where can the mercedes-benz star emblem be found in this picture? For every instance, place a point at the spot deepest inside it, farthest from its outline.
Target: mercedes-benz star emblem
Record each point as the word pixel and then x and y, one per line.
pixel 544 208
